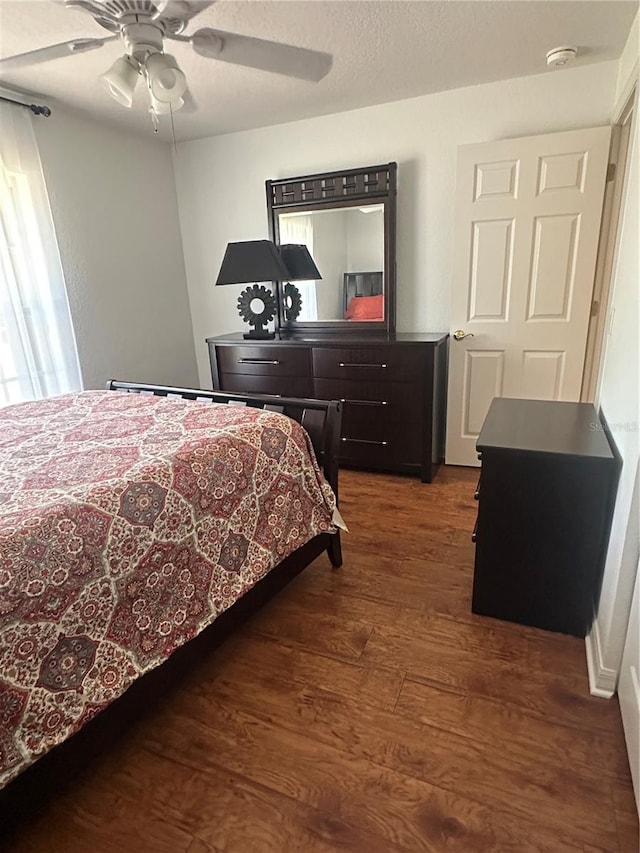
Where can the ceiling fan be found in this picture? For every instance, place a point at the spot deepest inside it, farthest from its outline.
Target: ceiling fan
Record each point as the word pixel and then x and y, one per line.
pixel 143 25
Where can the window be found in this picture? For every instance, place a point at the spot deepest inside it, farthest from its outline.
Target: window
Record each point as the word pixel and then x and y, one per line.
pixel 299 229
pixel 37 347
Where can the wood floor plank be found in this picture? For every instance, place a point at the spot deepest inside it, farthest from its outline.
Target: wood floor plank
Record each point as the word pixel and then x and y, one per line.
pixel 515 728
pixel 623 796
pixel 455 556
pixel 628 831
pixel 200 846
pixel 403 541
pixel 481 637
pixel 412 584
pixel 561 697
pixel 213 804
pixel 547 785
pixel 341 638
pixel 256 659
pixel 402 811
pixel 264 658
pixel 117 826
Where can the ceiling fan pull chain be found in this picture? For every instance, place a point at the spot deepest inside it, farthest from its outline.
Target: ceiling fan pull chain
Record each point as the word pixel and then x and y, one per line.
pixel 173 129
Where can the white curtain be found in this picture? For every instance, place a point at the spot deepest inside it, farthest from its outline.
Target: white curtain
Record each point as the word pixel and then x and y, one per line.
pixel 38 355
pixel 299 229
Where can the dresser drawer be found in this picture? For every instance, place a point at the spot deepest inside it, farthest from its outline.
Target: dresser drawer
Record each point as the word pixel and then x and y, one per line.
pixel 264 360
pixel 388 363
pixel 367 400
pixel 382 446
pixel 283 386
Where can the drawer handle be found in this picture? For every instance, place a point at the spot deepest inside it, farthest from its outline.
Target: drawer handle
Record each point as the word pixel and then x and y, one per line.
pixel 349 364
pixel 474 535
pixel 257 361
pixel 364 402
pixel 365 441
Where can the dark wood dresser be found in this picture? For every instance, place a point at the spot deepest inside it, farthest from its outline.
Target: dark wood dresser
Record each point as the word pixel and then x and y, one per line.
pixel 546 496
pixel 393 390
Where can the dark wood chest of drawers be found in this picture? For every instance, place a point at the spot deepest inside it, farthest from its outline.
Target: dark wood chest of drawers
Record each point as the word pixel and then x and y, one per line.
pixel 393 390
pixel 546 495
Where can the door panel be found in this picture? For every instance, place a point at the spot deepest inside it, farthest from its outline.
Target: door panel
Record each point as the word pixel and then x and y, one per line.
pixel 491 266
pixel 542 374
pixel 496 180
pixel 483 380
pixel 526 234
pixel 553 270
pixel 562 172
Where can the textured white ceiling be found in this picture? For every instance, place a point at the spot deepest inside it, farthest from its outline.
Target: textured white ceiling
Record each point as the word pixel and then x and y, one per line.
pixel 383 51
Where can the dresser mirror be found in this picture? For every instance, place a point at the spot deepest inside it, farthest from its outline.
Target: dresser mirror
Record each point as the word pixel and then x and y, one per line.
pixel 347 220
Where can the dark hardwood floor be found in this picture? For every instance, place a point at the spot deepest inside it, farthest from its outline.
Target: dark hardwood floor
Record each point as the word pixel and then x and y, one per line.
pixel 366 709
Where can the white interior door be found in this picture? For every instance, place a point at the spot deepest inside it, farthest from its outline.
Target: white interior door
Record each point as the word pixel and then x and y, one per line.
pixel 525 241
pixel 629 690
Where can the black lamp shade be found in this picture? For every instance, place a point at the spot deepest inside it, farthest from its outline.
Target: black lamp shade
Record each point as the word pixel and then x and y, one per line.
pixel 252 261
pixel 297 259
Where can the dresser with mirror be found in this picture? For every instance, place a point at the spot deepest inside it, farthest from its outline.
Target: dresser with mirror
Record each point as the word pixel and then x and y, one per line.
pixel 335 337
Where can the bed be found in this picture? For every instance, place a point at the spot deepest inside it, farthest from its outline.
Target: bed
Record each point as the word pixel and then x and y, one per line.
pixel 132 522
pixel 363 296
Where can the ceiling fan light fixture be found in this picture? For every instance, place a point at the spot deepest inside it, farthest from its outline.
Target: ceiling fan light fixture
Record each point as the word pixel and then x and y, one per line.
pixel 207 43
pixel 162 109
pixel 166 81
pixel 120 80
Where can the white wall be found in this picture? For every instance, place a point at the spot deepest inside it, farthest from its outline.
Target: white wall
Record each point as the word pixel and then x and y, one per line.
pixel 114 207
pixel 330 256
pixel 221 195
pixel 619 398
pixel 628 62
pixel 365 241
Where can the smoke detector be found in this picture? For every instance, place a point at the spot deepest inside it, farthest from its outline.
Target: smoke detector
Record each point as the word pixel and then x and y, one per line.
pixel 559 57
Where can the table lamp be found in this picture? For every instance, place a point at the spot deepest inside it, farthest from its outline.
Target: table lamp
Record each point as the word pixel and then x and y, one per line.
pixel 297 259
pixel 254 261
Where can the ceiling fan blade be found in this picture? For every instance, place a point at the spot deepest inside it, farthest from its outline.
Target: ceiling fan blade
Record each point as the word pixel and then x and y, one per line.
pixel 54 51
pixel 264 55
pixel 184 10
pixel 190 105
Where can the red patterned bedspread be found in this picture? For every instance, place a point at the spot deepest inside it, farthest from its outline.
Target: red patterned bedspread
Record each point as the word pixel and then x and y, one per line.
pixel 127 524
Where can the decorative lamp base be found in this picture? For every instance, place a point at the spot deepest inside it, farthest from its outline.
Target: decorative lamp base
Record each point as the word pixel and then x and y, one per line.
pixel 291 302
pixel 259 335
pixel 257 307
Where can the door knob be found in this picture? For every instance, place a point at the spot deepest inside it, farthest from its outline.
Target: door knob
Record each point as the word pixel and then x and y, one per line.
pixel 459 334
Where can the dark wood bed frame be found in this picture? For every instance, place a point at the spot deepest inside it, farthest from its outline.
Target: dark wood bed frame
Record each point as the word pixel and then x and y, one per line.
pixel 360 284
pixel 33 789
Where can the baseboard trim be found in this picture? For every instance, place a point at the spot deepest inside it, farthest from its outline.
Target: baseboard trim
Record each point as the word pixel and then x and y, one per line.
pixel 602 679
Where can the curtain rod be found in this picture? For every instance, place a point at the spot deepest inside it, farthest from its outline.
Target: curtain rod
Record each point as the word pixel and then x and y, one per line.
pixel 35 109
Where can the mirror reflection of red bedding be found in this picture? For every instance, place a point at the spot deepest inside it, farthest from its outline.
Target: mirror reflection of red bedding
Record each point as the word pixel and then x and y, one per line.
pixel 365 308
pixel 127 525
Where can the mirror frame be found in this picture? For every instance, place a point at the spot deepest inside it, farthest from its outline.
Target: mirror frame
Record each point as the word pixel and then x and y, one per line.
pixel 328 191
